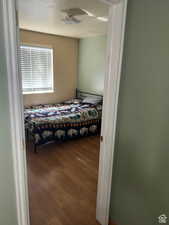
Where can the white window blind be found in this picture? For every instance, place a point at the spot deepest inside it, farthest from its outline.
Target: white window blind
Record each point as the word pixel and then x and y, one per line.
pixel 36 69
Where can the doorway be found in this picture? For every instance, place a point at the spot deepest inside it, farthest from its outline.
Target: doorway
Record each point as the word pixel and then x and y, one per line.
pixel 63 66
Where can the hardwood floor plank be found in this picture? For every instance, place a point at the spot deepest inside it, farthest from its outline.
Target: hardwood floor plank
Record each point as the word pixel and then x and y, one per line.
pixel 62 180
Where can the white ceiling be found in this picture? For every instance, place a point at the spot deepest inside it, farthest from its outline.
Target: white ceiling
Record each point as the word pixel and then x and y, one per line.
pixel 46 16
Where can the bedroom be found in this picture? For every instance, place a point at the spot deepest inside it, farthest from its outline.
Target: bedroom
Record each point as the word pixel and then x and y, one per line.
pixel 63 57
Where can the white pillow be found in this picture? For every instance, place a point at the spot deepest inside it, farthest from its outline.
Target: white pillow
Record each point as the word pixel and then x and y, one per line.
pixel 73 101
pixel 92 100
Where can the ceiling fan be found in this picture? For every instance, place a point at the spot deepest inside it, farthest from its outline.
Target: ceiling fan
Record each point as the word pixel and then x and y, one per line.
pixel 71 14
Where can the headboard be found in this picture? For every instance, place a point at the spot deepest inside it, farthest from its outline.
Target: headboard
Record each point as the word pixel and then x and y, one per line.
pixel 84 94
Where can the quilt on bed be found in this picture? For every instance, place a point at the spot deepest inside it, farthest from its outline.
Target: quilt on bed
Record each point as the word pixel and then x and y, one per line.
pixel 62 121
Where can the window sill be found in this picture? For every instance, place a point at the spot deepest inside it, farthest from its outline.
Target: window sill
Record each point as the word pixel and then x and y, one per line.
pixel 37 92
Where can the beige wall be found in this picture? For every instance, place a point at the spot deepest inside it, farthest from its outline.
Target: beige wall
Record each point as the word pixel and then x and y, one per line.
pixel 65 66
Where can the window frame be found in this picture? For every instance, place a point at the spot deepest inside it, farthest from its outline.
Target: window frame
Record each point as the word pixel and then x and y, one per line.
pixel 52 68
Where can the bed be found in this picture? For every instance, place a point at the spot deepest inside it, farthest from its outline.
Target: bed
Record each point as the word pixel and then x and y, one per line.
pixel 68 120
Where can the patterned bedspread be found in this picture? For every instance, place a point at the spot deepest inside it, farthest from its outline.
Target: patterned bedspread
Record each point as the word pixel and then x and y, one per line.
pixel 62 121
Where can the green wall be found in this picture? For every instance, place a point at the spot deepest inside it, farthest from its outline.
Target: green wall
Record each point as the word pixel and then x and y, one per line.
pixel 92 57
pixel 8 214
pixel 140 187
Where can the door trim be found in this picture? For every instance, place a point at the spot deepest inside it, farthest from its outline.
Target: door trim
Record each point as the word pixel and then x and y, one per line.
pixel 117 20
pixel 11 39
pixel 116 33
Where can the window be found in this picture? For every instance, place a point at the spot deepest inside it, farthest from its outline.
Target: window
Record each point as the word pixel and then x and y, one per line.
pixel 36 69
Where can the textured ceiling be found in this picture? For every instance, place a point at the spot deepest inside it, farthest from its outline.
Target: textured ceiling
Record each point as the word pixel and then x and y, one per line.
pixel 46 16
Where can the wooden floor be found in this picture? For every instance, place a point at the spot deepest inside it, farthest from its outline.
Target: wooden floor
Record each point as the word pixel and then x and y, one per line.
pixel 63 182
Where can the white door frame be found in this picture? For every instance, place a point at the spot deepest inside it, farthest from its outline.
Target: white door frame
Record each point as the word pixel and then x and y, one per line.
pixel 10 22
pixel 116 32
